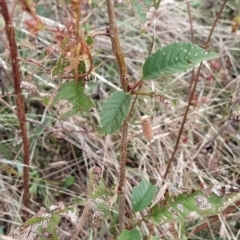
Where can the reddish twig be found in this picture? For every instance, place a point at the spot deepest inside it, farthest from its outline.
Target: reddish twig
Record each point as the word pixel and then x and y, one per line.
pixel 192 40
pixel 19 98
pixel 116 46
pixel 124 77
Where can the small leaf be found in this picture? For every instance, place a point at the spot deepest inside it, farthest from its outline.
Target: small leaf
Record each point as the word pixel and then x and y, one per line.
pixel 70 99
pixel 130 235
pixel 89 40
pixel 60 66
pixel 69 181
pixel 142 195
pixel 176 57
pixel 53 223
pixel 46 100
pixel 114 111
pixel 67 66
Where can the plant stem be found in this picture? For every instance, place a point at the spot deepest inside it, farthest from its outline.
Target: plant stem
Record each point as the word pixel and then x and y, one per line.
pixel 116 46
pixel 192 40
pixel 19 98
pixel 124 77
pixel 192 90
pixel 149 94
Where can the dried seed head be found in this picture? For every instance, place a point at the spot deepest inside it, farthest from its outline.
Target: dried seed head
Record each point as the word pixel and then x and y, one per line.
pixel 63 106
pixel 30 88
pixel 147 127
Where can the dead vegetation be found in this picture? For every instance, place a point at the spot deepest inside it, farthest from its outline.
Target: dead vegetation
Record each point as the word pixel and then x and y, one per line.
pixel 61 152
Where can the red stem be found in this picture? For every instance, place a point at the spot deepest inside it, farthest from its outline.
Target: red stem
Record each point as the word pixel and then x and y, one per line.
pixel 19 98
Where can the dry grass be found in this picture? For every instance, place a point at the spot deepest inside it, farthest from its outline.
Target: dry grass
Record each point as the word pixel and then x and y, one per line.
pixel 71 147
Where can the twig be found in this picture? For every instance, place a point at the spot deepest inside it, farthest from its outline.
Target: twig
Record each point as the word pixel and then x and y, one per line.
pixel 116 46
pixel 190 21
pixel 19 98
pixel 122 173
pixel 192 40
pixel 192 90
pixel 79 228
pixel 124 77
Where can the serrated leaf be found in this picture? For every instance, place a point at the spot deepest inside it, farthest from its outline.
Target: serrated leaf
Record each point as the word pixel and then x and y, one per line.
pixel 205 202
pixel 145 10
pixel 114 111
pixel 173 58
pixel 142 195
pixel 70 99
pixel 130 235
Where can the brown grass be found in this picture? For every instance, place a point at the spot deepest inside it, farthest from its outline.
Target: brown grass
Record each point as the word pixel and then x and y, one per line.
pixel 71 147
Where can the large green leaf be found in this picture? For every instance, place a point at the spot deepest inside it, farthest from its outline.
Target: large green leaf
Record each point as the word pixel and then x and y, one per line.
pixel 145 10
pixel 173 58
pixel 114 111
pixel 70 99
pixel 130 235
pixel 142 195
pixel 191 206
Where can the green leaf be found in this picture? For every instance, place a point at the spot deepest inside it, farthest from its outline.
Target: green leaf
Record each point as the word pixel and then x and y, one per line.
pixel 89 40
pixel 142 195
pixel 60 66
pixel 173 58
pixel 69 181
pixel 191 206
pixel 63 63
pixel 114 111
pixel 130 235
pixel 53 224
pixel 145 10
pixel 70 99
pixel 33 220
